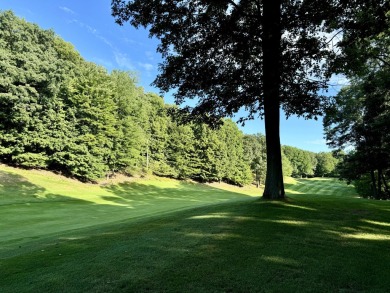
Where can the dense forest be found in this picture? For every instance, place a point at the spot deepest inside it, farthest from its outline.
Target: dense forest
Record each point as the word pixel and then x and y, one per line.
pixel 62 113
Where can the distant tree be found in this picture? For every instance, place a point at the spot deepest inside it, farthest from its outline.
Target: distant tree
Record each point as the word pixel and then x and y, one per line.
pixel 326 164
pixel 303 162
pixel 287 166
pixel 92 97
pixel 236 170
pixel 205 145
pixel 232 54
pixel 256 156
pixel 156 127
pixel 181 154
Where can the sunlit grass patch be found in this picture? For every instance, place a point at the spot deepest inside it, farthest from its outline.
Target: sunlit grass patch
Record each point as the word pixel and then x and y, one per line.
pixel 367 236
pixel 280 260
pixel 290 222
pixel 385 224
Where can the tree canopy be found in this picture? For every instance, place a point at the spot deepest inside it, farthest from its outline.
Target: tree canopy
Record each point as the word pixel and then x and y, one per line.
pixel 213 52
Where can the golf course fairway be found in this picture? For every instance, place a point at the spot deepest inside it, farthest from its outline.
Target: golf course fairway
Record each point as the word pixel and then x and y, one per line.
pixel 162 235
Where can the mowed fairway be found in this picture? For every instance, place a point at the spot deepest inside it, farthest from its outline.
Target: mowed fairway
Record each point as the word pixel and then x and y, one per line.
pixel 36 204
pixel 58 235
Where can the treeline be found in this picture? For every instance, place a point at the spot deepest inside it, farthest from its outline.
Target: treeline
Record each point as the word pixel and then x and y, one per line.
pixel 296 162
pixel 62 113
pixel 301 163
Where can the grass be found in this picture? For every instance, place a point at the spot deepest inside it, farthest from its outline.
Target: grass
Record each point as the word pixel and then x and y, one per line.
pixel 166 236
pixel 36 204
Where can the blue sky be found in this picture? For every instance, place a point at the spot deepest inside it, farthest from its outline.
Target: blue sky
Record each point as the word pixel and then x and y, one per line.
pixel 89 26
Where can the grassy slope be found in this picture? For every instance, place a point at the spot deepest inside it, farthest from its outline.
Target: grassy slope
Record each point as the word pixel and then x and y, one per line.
pixel 36 204
pixel 322 239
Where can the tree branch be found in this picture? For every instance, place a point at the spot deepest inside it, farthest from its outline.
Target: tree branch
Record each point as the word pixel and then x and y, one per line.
pixel 337 33
pixel 383 60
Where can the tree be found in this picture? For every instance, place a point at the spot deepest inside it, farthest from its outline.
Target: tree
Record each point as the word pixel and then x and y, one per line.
pixel 256 156
pixel 359 115
pixel 365 29
pixel 235 169
pixel 360 118
pixel 228 54
pixel 181 151
pixel 303 162
pixel 34 125
pixel 206 150
pixel 131 116
pixel 287 166
pixel 326 164
pixel 156 127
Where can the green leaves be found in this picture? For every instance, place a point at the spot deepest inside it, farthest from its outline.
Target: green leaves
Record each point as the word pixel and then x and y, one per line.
pixel 27 90
pixel 303 163
pixel 62 113
pixel 360 113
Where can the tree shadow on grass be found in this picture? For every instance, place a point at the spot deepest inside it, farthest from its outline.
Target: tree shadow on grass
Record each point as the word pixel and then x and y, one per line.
pixel 265 247
pixel 249 246
pixel 31 213
pixel 183 194
pixel 14 187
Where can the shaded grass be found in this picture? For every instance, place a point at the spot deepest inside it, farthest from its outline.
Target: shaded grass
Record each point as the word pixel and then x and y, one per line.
pixel 312 242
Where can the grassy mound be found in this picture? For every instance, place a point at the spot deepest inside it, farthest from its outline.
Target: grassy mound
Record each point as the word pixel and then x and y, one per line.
pixel 321 239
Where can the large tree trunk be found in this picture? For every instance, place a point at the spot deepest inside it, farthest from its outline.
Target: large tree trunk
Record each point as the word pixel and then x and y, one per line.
pixel 274 187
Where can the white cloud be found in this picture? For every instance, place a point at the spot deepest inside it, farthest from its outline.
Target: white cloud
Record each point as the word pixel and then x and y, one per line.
pixel 132 42
pixel 67 10
pixel 339 80
pixel 123 60
pixel 146 66
pixel 93 31
pixel 336 83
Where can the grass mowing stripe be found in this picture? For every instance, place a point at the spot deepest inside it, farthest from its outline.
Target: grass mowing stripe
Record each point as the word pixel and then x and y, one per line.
pixel 326 189
pixel 322 186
